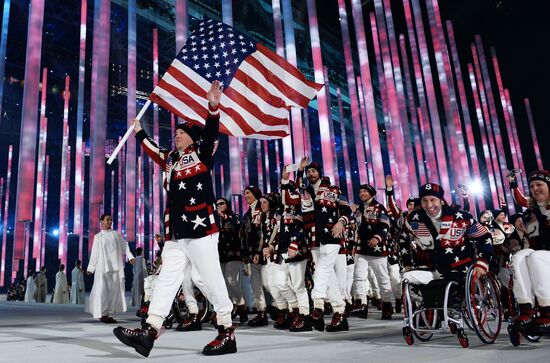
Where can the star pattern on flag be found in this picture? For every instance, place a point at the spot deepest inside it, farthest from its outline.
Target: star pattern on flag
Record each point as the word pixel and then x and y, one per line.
pixel 219 44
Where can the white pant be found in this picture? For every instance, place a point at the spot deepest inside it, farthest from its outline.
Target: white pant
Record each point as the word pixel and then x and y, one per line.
pixel 231 273
pixel 395 279
pixel 343 272
pixel 293 277
pixel 379 267
pixel 176 258
pixel 532 276
pixel 281 289
pixel 420 277
pixel 192 278
pixel 256 284
pixel 371 284
pixel 148 286
pixel 325 283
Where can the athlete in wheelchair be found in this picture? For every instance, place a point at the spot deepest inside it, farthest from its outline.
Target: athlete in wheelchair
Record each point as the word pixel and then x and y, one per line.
pixel 446 284
pixel 531 267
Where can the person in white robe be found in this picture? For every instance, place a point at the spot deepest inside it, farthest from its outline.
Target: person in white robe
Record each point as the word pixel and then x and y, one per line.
pixel 107 265
pixel 61 289
pixel 78 291
pixel 41 285
pixel 139 274
pixel 31 287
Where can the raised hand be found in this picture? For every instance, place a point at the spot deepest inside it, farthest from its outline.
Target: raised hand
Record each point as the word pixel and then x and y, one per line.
pixel 285 174
pixel 215 94
pixel 304 162
pixel 137 125
pixel 389 181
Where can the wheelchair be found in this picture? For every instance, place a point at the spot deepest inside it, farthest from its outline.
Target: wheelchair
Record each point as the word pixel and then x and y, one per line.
pixel 514 333
pixel 449 306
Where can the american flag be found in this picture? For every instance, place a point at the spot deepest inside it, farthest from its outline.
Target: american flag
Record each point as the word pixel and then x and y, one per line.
pixel 420 229
pixel 259 86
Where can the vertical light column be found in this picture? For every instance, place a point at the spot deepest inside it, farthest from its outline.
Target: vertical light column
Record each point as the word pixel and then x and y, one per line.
pixel 488 125
pixel 79 153
pixel 130 164
pixel 364 129
pixel 533 133
pixel 331 125
pixel 3 46
pixel 157 202
pixel 267 170
pixel 395 114
pixel 322 111
pixel 483 134
pixel 45 220
pixel 455 135
pixel 465 109
pixel 412 111
pixel 523 178
pixel 259 164
pixel 347 166
pixel 41 160
pixel 408 158
pixel 383 94
pixel 64 189
pixel 500 156
pixel 222 184
pixel 98 113
pixel 295 115
pixel 375 150
pixel 6 219
pixel 423 116
pixel 139 193
pixel 236 171
pixel 350 75
pixel 182 24
pixel 439 142
pixel 27 146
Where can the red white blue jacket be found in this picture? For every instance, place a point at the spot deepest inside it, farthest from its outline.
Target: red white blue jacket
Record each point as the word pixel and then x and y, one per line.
pixel 451 248
pixel 373 223
pixel 251 233
pixel 321 211
pixel 190 212
pixel 230 247
pixel 291 224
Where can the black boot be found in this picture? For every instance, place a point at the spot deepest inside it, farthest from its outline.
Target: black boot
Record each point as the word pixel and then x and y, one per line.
pixel 242 312
pixel 192 323
pixel 284 319
pixel 141 340
pixel 398 306
pixel 317 319
pixel 387 310
pixel 525 317
pixel 338 323
pixel 360 309
pixel 348 309
pixel 224 343
pixel 259 320
pixel 541 325
pixel 302 322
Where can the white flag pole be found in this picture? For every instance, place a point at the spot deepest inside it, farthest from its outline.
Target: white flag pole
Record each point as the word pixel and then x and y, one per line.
pixel 128 133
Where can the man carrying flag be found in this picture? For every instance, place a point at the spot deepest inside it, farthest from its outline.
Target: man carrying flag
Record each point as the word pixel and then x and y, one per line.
pixel 260 87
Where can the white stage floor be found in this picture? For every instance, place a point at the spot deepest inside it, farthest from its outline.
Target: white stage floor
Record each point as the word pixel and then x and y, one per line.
pixel 44 333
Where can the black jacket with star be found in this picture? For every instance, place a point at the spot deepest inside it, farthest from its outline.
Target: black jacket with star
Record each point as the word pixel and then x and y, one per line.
pixel 291 225
pixel 190 212
pixel 251 233
pixel 230 247
pixel 538 226
pixel 451 248
pixel 373 223
pixel 321 211
pixel 269 229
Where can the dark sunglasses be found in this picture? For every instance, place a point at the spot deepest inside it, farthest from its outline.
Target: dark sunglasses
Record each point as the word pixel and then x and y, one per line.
pixel 220 203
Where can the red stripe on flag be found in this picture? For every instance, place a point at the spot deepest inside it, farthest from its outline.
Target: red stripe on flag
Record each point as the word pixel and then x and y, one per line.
pixel 283 63
pixel 253 108
pixel 278 83
pixel 265 95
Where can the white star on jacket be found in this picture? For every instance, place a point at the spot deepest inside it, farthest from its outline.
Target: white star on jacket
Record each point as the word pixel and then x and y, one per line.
pixel 415 217
pixel 181 185
pixel 324 209
pixel 184 217
pixel 199 186
pixel 448 250
pixel 378 249
pixel 198 222
pixel 192 201
pixel 459 215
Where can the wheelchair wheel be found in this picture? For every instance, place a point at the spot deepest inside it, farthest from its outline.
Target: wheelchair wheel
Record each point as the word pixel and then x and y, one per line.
pixel 513 311
pixel 462 338
pixel 483 306
pixel 513 334
pixel 407 334
pixel 423 319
